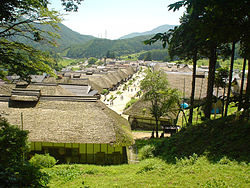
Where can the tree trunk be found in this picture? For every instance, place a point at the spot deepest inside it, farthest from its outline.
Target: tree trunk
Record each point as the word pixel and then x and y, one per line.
pixel 242 84
pixel 190 119
pixel 156 128
pixel 230 78
pixel 248 88
pixel 210 84
pixel 223 102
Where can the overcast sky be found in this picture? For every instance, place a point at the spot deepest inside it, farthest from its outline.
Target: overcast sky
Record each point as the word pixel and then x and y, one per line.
pixel 116 18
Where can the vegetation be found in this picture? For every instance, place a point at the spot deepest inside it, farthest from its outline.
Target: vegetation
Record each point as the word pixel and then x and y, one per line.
pixel 43 161
pixel 188 43
pixel 15 170
pixel 191 172
pixel 132 101
pixel 163 99
pixel 215 139
pixel 155 55
pixel 113 48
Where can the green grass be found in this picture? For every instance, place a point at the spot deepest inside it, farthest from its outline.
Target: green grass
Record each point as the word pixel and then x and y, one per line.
pixel 212 154
pixel 191 172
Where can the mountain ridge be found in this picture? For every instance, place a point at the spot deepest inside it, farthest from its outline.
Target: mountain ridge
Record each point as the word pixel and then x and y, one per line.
pixel 159 29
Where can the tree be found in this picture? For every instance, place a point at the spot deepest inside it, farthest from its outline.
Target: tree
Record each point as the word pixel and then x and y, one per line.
pixel 15 170
pixel 162 98
pixel 216 24
pixel 220 81
pixel 23 18
pixel 92 60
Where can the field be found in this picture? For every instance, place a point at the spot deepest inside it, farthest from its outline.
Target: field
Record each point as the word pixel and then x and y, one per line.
pixel 193 172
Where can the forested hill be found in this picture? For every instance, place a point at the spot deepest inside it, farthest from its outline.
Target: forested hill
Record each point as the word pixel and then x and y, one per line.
pixel 76 45
pixel 160 29
pixel 100 47
pixel 67 38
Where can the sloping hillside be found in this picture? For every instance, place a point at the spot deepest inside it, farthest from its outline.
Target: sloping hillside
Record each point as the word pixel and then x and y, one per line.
pixel 160 29
pixel 100 47
pixel 225 137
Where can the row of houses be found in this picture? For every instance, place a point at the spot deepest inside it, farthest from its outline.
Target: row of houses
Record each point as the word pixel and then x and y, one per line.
pixel 64 116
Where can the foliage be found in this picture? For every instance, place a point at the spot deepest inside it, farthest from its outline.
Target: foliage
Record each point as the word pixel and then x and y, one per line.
pixel 156 55
pixel 131 102
pixel 15 170
pixel 99 47
pixel 23 19
pixel 43 161
pixel 163 99
pixel 152 173
pixel 119 92
pixel 92 60
pixel 105 92
pixel 220 77
pixel 146 152
pixel 224 137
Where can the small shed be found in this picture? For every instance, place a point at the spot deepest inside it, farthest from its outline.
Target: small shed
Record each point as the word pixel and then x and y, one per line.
pixel 141 119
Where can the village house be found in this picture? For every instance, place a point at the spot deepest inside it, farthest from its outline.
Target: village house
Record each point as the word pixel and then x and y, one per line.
pixel 73 128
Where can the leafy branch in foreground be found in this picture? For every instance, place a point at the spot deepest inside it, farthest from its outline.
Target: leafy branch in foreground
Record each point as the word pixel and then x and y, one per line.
pixel 22 21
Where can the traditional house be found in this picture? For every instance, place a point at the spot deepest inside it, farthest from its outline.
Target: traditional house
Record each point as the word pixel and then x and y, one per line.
pixel 141 119
pixel 73 129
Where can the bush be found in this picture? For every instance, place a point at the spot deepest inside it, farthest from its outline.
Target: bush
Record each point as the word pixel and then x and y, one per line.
pixel 191 160
pixel 43 161
pixel 15 170
pixel 132 101
pixel 146 152
pixel 152 164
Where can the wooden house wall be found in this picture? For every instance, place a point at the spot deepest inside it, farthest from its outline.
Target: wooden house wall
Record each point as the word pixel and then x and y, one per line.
pixel 102 154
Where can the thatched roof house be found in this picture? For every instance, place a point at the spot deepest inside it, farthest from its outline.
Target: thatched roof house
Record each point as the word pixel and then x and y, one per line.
pixel 70 122
pixel 73 129
pixel 140 117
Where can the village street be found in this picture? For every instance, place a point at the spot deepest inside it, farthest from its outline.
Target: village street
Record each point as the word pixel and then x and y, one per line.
pixel 120 101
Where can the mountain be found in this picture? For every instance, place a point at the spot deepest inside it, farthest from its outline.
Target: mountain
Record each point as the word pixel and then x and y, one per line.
pixel 67 38
pixel 160 29
pixel 100 47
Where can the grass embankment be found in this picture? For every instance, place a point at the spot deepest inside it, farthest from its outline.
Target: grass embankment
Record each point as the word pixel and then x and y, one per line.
pixel 221 159
pixel 224 137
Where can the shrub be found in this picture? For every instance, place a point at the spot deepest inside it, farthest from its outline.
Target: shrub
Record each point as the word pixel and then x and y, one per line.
pixel 15 170
pixel 152 164
pixel 105 92
pixel 191 160
pixel 146 152
pixel 43 161
pixel 132 101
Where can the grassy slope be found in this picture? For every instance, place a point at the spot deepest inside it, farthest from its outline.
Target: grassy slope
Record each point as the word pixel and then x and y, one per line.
pixel 153 173
pixel 222 161
pixel 227 137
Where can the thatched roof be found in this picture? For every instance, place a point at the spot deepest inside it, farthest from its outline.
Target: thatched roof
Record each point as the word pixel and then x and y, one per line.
pixel 70 122
pixel 100 80
pixel 122 74
pixel 51 89
pixel 176 80
pixel 136 110
pixel 112 78
pixel 18 94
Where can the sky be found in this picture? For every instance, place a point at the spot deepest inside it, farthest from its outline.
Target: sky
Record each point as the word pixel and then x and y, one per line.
pixel 113 19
